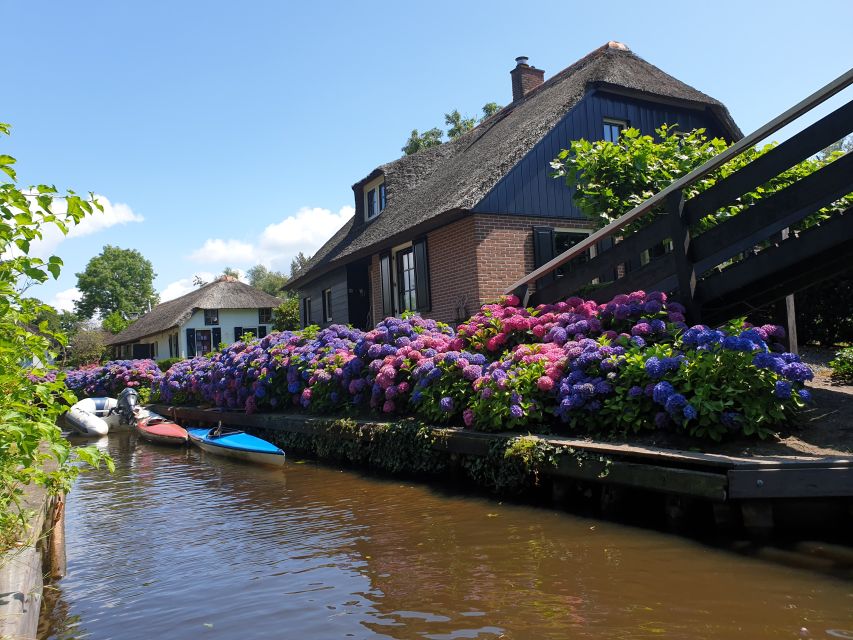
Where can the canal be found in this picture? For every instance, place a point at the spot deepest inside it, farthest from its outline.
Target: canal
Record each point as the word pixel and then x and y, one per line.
pixel 179 545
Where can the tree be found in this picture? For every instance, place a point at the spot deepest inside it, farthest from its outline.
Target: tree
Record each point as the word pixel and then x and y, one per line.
pixel 458 124
pixel 88 346
pixel 198 281
pixel 844 145
pixel 298 263
pixel 262 278
pixel 285 317
pixel 490 109
pixel 32 393
pixel 416 141
pixel 115 322
pixel 116 280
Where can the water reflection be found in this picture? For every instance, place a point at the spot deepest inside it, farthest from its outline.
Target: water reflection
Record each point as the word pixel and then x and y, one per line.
pixel 181 545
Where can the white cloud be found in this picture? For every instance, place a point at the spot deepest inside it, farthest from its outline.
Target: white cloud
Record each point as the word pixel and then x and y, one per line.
pixel 112 215
pixel 183 286
pixel 306 231
pixel 217 251
pixel 64 300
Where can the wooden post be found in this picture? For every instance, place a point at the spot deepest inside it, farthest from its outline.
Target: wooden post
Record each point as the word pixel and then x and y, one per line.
pixel 685 271
pixel 790 323
pixel 56 557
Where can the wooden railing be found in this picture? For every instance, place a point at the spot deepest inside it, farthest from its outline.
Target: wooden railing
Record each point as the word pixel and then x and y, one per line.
pixel 787 262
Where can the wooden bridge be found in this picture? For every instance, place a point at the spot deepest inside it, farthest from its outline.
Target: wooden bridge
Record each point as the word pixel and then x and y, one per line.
pixel 744 262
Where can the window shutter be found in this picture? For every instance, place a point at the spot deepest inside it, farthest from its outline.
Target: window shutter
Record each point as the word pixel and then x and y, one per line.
pixel 262 331
pixel 385 279
pixel 543 251
pixel 325 306
pixel 216 336
pixel 422 288
pixel 190 343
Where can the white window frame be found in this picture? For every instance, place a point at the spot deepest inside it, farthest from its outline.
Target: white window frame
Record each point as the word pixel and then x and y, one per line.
pixel 622 124
pixel 374 186
pixel 395 288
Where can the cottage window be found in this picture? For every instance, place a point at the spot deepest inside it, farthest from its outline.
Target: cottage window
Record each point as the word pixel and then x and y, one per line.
pixel 612 129
pixel 374 199
pixel 265 315
pixel 404 275
pixel 406 290
pixel 327 305
pixel 306 311
pixel 211 317
pixel 565 239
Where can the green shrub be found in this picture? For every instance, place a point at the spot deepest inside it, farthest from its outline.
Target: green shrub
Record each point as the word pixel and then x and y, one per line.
pixel 842 366
pixel 167 363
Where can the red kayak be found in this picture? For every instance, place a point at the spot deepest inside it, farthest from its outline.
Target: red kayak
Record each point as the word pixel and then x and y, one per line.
pixel 160 430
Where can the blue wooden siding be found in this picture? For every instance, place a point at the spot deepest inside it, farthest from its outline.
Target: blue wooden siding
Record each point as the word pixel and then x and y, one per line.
pixel 528 188
pixel 337 281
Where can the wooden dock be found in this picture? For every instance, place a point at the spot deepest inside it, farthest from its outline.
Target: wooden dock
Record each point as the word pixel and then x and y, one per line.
pixel 752 487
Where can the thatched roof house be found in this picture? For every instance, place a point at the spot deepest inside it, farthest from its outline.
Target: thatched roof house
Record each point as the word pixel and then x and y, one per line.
pixel 499 169
pixel 222 310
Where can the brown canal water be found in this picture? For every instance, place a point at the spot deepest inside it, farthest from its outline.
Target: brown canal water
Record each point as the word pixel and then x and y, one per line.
pixel 179 545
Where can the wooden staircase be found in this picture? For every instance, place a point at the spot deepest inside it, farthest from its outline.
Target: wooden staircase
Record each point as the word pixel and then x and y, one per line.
pixel 742 263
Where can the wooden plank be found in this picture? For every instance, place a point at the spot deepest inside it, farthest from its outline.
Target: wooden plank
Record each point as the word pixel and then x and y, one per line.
pixel 806 143
pixel 804 106
pixel 790 483
pixel 684 482
pixel 580 275
pixel 650 276
pixel 685 271
pixel 770 215
pixel 823 244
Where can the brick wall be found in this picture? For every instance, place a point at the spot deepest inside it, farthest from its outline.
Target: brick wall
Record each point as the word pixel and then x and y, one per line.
pixel 471 261
pixel 505 249
pixel 453 271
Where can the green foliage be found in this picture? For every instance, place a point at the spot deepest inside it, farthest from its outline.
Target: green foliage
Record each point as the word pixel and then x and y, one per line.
pixel 285 317
pixel 842 366
pixel 824 312
pixel 611 178
pixel 456 123
pixel 417 141
pixel 32 395
pixel 299 262
pixel 166 363
pixel 272 282
pixel 116 280
pixel 231 273
pixel 115 322
pixel 88 345
pixel 397 447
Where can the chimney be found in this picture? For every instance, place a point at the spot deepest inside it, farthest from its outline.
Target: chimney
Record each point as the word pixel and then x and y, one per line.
pixel 524 78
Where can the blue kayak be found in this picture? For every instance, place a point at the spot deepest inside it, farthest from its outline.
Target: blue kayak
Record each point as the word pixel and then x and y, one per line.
pixel 234 443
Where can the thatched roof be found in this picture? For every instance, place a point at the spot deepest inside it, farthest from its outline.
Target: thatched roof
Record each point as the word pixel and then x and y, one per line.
pixel 224 293
pixel 439 184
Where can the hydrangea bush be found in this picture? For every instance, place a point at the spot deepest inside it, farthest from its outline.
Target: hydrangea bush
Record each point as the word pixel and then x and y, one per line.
pixel 575 366
pixel 111 378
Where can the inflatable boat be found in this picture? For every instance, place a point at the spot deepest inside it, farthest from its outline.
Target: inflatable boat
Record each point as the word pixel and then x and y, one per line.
pixel 93 416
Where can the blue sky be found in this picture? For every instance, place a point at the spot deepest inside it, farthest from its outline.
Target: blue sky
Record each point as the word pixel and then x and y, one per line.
pixel 227 134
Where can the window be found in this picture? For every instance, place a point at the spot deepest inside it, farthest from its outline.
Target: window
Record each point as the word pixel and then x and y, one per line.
pixel 404 275
pixel 612 129
pixel 265 315
pixel 374 198
pixel 306 312
pixel 327 305
pixel 407 295
pixel 564 240
pixel 211 317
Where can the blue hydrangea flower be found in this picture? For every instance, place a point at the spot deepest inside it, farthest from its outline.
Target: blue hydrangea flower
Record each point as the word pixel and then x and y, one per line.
pixel 782 389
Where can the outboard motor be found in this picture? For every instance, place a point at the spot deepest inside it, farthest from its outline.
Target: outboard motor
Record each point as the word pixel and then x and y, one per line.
pixel 128 405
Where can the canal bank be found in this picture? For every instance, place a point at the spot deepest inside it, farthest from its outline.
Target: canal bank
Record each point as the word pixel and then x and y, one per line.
pixel 797 494
pixel 40 554
pixel 182 545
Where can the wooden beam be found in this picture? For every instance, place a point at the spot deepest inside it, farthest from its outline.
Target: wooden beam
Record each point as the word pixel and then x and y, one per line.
pixel 792 483
pixel 804 106
pixel 806 143
pixel 685 271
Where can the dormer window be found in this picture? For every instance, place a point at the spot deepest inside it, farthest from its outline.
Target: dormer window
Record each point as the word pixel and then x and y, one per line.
pixel 374 198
